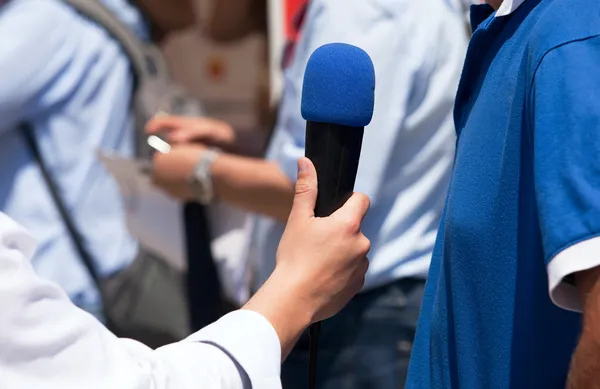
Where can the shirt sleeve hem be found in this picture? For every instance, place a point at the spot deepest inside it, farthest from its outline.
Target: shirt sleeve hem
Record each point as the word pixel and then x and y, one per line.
pixel 581 256
pixel 251 341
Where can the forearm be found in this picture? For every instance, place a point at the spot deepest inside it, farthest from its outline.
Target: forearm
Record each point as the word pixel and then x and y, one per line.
pixel 256 185
pixel 283 310
pixel 250 143
pixel 585 365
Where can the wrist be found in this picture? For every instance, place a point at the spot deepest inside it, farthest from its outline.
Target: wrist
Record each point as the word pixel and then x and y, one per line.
pixel 287 311
pixel 201 178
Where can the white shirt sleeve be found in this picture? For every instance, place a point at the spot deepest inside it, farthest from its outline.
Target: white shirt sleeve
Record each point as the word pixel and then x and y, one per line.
pixel 47 342
pixel 581 256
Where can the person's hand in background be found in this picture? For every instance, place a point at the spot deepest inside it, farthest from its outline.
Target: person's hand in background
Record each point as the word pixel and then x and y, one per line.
pixel 210 132
pixel 172 171
pixel 179 129
pixel 252 184
pixel 321 262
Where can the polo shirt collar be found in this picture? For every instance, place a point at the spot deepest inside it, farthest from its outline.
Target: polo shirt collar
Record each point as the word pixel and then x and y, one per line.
pixel 508 7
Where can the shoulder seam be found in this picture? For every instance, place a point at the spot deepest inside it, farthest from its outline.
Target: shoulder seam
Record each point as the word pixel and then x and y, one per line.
pixel 539 63
pixel 537 67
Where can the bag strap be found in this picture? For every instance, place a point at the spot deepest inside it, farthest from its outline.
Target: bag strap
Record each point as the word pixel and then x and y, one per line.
pixel 74 233
pixel 141 54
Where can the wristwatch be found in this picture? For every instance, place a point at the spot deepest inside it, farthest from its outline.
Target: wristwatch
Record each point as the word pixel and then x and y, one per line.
pixel 201 181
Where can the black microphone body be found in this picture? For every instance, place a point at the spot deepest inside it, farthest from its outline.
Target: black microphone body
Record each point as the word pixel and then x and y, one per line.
pixel 335 151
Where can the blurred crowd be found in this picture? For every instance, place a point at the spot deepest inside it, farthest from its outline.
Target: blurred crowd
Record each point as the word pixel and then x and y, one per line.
pixel 85 76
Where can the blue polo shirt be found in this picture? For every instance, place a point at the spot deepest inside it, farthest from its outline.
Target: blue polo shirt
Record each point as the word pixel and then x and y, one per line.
pixel 523 209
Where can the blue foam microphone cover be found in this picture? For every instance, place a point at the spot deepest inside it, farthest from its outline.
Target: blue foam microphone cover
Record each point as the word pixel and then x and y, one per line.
pixel 339 86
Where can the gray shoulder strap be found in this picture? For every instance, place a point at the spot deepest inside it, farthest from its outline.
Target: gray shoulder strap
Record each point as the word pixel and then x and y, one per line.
pixel 139 53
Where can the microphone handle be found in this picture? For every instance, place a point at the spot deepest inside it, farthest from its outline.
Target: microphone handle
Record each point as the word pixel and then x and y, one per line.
pixel 335 151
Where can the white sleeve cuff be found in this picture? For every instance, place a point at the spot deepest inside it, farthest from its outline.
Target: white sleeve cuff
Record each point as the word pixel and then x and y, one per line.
pixel 251 340
pixel 581 256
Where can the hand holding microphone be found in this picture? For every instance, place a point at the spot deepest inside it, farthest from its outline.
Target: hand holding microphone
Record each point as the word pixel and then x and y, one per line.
pixel 336 239
pixel 321 262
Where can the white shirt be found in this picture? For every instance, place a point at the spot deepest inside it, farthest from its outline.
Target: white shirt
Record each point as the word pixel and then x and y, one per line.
pixel 417 48
pixel 48 343
pixel 507 7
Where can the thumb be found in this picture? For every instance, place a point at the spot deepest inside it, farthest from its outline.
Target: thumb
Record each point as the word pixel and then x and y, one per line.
pixel 306 190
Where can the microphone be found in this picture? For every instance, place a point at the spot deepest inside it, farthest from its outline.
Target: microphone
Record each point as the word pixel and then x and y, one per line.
pixel 338 96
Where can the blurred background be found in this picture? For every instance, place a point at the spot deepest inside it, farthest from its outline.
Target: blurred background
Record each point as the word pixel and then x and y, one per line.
pixel 142 245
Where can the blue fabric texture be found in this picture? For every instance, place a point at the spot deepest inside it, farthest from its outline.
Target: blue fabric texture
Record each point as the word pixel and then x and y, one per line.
pixel 339 86
pixel 525 187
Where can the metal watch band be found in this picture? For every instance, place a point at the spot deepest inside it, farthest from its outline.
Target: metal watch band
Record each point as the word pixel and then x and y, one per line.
pixel 201 180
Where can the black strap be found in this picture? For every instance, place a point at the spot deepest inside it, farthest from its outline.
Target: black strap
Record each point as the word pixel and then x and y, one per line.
pixel 203 283
pixel 74 233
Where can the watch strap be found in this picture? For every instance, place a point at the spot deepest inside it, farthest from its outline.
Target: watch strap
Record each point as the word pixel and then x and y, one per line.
pixel 201 180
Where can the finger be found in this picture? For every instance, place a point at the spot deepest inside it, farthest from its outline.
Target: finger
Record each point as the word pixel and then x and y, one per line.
pixel 183 136
pixel 159 123
pixel 305 197
pixel 354 210
pixel 199 131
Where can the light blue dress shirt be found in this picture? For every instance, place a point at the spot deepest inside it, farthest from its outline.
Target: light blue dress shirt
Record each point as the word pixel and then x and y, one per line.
pixel 71 81
pixel 417 48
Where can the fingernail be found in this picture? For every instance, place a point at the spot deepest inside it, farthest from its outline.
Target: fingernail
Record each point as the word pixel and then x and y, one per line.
pixel 302 165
